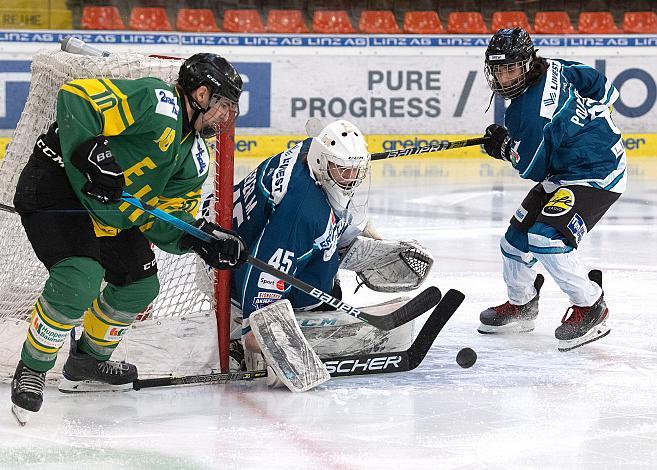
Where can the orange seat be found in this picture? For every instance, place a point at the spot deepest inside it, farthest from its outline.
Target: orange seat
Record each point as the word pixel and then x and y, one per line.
pixel 466 22
pixel 149 19
pixel 640 22
pixel 553 22
pixel 332 22
pixel 422 22
pixel 510 20
pixel 378 22
pixel 286 21
pixel 597 22
pixel 101 18
pixel 196 20
pixel 243 21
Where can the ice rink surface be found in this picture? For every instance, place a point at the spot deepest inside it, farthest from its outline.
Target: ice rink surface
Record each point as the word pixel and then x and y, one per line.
pixel 522 405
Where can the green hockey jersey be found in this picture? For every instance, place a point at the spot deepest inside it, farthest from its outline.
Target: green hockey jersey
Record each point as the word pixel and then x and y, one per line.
pixel 143 122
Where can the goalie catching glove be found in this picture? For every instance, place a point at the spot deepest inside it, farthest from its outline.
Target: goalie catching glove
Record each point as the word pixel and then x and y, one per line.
pixel 388 266
pixel 225 251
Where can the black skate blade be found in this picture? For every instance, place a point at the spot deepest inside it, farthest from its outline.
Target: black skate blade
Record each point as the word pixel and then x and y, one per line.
pixel 585 342
pixel 21 414
pixel 90 386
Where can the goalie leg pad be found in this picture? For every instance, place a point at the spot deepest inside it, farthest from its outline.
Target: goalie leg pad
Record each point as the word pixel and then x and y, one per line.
pixel 285 349
pixel 388 266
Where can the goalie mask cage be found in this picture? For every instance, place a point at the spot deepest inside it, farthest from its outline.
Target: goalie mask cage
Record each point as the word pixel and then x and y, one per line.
pixel 178 333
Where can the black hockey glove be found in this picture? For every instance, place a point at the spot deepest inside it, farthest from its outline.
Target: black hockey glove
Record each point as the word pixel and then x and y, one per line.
pixel 225 251
pixel 105 179
pixel 499 143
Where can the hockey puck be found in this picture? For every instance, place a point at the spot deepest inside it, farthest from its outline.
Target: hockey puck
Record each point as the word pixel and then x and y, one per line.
pixel 466 357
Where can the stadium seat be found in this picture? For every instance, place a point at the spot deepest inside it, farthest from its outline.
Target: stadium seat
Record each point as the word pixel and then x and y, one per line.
pixel 149 19
pixel 101 18
pixel 597 22
pixel 640 22
pixel 286 21
pixel 510 19
pixel 553 22
pixel 243 21
pixel 196 20
pixel 378 22
pixel 422 22
pixel 332 22
pixel 466 22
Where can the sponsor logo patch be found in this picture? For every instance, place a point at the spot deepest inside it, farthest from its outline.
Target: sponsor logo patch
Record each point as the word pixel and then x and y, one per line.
pixel 577 227
pixel 515 156
pixel 47 335
pixel 520 214
pixel 167 103
pixel 265 298
pixel 114 333
pixel 200 155
pixel 560 203
pixel 267 281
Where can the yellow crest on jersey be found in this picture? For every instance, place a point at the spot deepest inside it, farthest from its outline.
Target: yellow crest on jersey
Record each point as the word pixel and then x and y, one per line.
pixel 166 139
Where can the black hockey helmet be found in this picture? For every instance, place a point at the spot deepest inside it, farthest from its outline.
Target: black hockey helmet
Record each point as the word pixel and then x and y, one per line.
pixel 221 78
pixel 213 71
pixel 509 51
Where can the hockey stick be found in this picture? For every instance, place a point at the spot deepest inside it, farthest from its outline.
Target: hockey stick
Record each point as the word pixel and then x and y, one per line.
pixel 443 145
pixel 379 363
pixel 138 384
pixel 402 361
pixel 6 208
pixel 415 307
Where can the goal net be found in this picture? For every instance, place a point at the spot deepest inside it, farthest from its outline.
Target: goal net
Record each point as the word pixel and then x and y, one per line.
pixel 178 333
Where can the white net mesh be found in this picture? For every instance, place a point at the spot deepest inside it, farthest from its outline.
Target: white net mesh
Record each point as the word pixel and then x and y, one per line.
pixel 22 275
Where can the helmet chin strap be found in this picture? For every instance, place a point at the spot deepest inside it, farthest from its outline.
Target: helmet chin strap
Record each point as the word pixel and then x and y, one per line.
pixel 207 131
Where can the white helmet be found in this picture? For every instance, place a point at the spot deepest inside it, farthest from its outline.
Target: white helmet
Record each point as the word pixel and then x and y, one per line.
pixel 339 159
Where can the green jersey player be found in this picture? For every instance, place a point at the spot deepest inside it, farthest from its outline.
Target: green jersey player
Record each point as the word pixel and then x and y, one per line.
pixel 143 136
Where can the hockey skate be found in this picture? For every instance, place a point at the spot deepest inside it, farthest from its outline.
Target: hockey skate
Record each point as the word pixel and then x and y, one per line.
pixel 85 373
pixel 26 392
pixel 509 318
pixel 585 324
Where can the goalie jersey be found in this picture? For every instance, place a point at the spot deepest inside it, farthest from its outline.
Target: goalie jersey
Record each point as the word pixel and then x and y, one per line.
pixel 143 121
pixel 285 219
pixel 562 131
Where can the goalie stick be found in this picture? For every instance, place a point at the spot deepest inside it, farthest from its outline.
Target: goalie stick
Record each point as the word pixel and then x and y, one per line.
pixel 402 361
pixel 378 363
pixel 443 145
pixel 415 307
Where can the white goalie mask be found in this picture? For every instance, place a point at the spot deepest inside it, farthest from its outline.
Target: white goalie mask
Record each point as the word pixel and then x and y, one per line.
pixel 339 159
